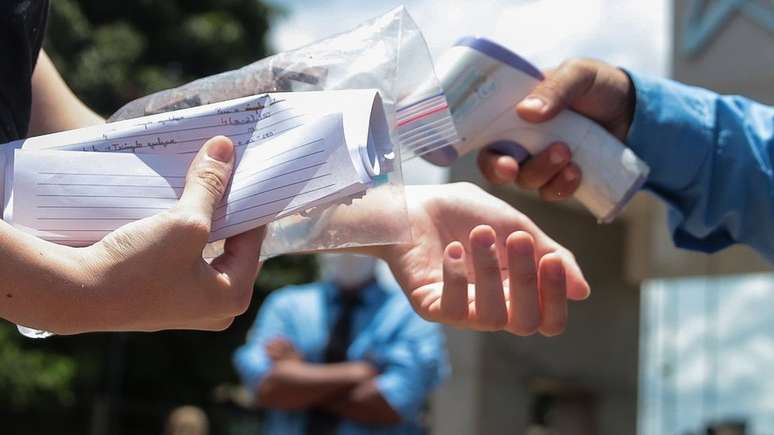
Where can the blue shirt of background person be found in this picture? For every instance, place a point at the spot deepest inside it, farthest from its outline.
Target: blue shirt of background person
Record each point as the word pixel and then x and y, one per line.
pixel 711 160
pixel 407 353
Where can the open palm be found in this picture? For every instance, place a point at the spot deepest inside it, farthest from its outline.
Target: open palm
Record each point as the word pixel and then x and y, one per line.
pixel 476 262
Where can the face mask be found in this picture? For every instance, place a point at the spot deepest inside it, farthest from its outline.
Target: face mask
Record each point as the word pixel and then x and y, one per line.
pixel 347 270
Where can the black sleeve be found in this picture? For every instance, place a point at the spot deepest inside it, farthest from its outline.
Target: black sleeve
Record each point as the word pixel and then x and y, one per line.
pixel 22 27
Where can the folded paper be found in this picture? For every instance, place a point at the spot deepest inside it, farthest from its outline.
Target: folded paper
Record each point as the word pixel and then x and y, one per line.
pixel 295 152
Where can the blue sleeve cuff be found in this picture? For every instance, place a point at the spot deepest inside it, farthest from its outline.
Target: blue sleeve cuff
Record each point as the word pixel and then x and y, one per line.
pixel 414 370
pixel 711 160
pixel 671 131
pixel 252 364
pixel 709 243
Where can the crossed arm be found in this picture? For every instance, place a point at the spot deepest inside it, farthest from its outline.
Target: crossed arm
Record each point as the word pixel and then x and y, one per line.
pixel 389 383
pixel 282 380
pixel 346 389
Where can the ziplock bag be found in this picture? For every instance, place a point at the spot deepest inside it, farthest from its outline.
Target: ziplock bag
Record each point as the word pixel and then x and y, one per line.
pixel 387 53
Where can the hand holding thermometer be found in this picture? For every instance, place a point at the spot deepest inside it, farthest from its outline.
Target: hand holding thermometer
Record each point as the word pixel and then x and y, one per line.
pixel 484 81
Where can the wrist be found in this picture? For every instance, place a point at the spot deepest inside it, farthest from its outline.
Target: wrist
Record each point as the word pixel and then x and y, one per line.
pixel 629 102
pixel 618 97
pixel 354 372
pixel 363 370
pixel 93 296
pixel 62 301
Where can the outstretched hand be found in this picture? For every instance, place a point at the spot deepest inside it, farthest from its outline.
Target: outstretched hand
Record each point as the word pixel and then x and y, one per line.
pixel 475 262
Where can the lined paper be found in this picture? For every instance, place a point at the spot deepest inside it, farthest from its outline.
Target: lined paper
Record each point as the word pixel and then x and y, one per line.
pixel 247 120
pixel 295 152
pixel 78 198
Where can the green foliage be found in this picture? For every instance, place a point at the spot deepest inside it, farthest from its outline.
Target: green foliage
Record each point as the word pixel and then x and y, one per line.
pixel 287 270
pixel 32 377
pixel 113 52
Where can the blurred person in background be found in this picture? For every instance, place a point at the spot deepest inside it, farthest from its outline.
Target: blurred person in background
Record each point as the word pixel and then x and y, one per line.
pixel 346 355
pixel 711 156
pixel 187 420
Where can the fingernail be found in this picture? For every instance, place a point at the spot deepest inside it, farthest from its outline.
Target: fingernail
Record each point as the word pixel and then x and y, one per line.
pixel 533 103
pixel 520 242
pixel 455 251
pixel 485 240
pixel 484 243
pixel 571 174
pixel 557 157
pixel 504 174
pixel 220 150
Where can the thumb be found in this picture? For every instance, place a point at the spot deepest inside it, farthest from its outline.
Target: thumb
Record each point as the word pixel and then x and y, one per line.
pixel 558 91
pixel 207 179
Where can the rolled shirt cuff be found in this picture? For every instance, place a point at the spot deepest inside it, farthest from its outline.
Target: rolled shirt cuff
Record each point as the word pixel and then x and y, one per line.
pixel 671 131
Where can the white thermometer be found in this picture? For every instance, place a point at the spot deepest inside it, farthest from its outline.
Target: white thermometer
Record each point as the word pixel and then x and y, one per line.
pixel 484 81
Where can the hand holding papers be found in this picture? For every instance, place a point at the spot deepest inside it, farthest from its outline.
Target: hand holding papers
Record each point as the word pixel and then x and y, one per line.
pixel 146 276
pixel 291 157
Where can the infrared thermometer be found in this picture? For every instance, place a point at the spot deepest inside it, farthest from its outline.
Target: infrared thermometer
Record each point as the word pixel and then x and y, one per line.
pixel 484 81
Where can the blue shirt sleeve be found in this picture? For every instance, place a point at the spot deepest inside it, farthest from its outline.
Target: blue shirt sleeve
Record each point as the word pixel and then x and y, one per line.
pixel 251 361
pixel 711 161
pixel 412 366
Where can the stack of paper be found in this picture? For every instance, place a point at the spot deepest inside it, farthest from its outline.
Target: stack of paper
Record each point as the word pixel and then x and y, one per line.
pixel 295 152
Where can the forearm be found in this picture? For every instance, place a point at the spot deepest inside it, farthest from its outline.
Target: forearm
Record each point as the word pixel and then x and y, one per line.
pixel 42 283
pixel 363 404
pixel 711 160
pixel 54 106
pixel 299 385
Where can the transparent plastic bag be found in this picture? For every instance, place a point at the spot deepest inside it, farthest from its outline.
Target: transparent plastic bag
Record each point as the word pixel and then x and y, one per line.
pixel 387 53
